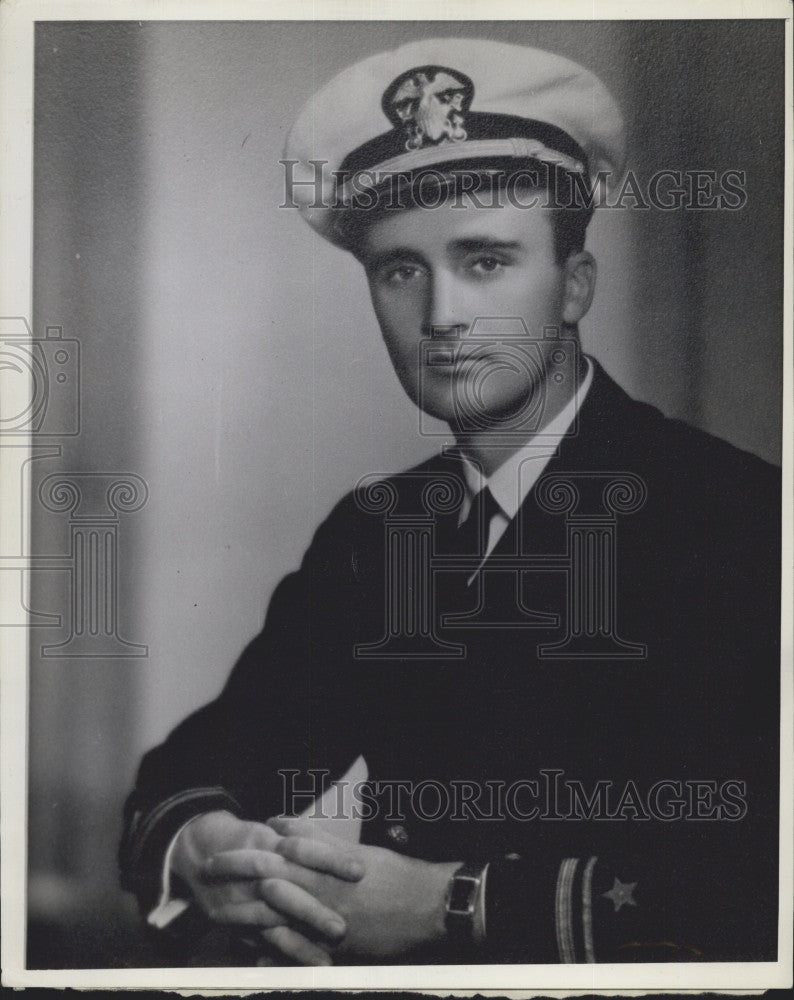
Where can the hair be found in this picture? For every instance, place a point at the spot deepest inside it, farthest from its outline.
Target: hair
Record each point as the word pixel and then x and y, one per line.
pixel 568 204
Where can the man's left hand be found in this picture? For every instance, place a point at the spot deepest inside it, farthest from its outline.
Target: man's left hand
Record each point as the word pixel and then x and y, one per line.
pixel 396 908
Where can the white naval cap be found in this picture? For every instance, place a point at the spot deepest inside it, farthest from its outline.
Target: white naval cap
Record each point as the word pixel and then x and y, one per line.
pixel 447 103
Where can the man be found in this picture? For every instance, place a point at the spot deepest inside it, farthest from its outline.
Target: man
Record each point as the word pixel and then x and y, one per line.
pixel 535 679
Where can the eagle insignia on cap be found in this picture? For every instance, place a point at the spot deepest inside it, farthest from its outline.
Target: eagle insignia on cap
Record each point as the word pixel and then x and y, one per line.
pixel 430 103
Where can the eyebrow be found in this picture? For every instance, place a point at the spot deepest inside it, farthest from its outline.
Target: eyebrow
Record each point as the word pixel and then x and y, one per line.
pixel 468 244
pixel 474 244
pixel 375 260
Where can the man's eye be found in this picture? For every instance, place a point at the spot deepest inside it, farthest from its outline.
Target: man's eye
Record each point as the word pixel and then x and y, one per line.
pixel 486 265
pixel 401 274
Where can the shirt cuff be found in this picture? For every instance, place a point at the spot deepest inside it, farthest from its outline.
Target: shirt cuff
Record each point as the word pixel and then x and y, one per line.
pixel 168 908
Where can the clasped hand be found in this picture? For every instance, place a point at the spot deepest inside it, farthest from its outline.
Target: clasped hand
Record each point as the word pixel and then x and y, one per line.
pixel 309 895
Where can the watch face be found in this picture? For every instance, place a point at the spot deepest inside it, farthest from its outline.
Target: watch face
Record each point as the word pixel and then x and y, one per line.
pixel 462 893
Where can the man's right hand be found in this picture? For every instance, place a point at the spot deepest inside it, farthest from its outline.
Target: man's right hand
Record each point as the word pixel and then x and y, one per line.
pixel 238 902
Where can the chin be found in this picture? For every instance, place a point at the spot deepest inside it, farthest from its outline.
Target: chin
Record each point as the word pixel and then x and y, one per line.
pixel 433 408
pixel 433 396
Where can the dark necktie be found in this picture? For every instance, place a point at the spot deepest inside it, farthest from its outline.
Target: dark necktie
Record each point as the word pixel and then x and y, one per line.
pixel 469 539
pixel 472 535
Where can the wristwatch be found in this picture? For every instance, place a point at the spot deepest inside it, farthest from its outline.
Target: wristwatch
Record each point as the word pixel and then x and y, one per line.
pixel 465 910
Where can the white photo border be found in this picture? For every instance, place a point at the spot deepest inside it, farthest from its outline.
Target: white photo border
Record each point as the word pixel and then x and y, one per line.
pixel 17 22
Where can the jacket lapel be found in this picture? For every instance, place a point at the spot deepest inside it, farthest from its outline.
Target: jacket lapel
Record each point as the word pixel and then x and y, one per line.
pixel 596 444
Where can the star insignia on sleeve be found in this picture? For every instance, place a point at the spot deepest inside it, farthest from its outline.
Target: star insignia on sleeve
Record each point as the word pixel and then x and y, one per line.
pixel 621 894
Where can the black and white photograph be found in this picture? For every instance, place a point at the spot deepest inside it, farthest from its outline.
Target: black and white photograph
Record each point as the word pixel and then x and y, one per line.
pixel 396 498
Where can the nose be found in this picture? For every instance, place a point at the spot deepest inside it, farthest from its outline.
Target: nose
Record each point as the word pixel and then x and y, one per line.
pixel 443 306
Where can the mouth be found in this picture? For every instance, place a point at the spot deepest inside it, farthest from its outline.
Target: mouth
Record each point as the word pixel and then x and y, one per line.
pixel 454 356
pixel 452 363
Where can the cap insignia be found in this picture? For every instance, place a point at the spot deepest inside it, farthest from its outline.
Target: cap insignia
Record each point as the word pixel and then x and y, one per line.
pixel 429 103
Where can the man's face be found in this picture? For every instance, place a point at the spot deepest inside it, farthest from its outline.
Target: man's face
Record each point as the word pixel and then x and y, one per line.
pixel 437 271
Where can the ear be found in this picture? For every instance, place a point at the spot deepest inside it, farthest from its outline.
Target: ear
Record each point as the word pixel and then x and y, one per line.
pixel 580 279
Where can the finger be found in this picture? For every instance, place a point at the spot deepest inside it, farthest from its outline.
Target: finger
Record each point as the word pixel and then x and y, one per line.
pixel 297 904
pixel 295 946
pixel 239 868
pixel 243 863
pixel 321 856
pixel 258 836
pixel 299 826
pixel 233 891
pixel 255 913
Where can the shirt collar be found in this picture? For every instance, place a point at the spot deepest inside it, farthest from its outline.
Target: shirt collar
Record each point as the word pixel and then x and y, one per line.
pixel 515 477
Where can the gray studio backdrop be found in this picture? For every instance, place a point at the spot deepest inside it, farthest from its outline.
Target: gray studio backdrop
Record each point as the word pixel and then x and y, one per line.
pixel 230 359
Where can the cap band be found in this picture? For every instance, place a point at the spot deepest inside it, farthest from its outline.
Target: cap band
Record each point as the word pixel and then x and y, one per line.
pixel 517 148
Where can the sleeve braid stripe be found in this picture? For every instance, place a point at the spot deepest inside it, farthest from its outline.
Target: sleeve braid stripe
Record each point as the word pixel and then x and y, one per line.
pixel 587 909
pixel 563 910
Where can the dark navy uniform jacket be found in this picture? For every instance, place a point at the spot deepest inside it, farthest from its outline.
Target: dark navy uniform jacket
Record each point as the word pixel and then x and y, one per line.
pixel 642 822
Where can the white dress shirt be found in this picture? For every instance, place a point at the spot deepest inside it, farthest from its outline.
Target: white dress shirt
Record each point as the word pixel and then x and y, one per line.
pixel 511 482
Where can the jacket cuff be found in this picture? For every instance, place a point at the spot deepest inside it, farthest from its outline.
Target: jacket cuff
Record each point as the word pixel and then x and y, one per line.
pixel 150 834
pixel 519 911
pixel 591 909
